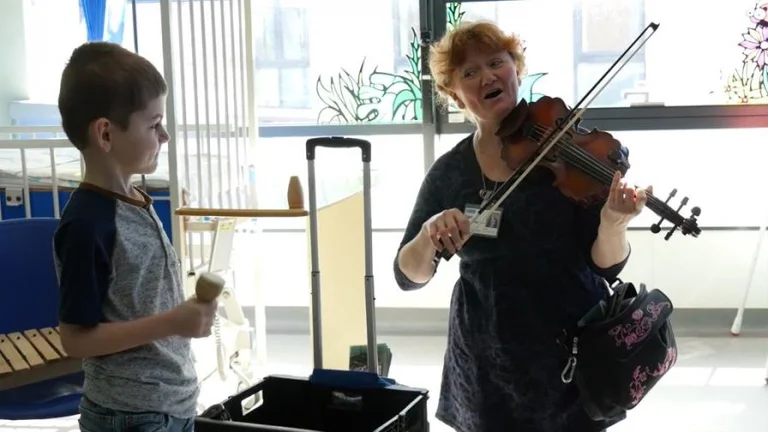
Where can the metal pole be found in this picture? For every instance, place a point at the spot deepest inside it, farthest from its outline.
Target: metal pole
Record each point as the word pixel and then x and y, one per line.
pixel 136 50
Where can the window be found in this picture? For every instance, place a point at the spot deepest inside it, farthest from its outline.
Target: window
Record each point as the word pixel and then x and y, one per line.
pixel 573 43
pixel 148 42
pixel 406 29
pixel 311 66
pixel 282 57
pixel 676 73
pixel 602 31
pixel 46 56
pixel 339 64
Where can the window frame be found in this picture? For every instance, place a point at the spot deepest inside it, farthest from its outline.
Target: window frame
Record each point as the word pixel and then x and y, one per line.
pixel 369 129
pixel 617 118
pixel 281 64
pixel 276 64
pixel 432 18
pixel 398 16
pixel 582 57
pixel 432 24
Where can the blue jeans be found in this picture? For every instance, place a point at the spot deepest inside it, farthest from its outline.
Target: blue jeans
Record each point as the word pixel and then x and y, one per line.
pixel 95 418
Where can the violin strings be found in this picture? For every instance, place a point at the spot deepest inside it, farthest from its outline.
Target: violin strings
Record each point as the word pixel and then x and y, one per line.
pixel 592 166
pixel 597 169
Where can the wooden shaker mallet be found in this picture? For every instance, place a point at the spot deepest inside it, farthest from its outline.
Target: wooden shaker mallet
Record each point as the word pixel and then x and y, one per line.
pixel 209 287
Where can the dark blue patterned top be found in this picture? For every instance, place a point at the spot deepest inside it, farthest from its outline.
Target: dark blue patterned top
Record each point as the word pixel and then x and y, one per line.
pixel 514 296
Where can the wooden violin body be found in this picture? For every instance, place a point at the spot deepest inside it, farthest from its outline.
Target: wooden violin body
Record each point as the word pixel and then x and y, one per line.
pixel 573 158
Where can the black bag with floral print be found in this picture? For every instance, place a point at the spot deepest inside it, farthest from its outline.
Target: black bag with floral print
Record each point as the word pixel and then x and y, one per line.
pixel 620 350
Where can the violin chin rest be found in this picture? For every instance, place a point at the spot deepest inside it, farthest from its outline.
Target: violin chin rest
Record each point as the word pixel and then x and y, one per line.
pixel 514 120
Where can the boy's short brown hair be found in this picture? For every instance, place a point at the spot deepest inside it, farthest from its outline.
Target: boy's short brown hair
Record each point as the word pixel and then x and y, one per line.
pixel 105 80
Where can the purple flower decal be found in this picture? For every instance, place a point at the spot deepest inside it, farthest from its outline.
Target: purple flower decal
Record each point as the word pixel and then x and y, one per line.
pixel 759 15
pixel 755 46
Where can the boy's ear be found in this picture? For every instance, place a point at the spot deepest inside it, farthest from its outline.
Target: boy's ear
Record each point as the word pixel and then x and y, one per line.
pixel 100 134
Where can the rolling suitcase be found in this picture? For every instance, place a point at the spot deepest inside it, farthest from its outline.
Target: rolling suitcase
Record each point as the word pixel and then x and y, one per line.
pixel 370 308
pixel 329 400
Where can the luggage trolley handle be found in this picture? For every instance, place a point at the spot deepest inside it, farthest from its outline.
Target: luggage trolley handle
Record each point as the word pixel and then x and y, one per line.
pixel 337 143
pixel 370 309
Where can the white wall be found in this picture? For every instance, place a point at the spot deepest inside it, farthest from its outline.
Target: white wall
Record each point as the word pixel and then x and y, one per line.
pixel 708 272
pixel 13 75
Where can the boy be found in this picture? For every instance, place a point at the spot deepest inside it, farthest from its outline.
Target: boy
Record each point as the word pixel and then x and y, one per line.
pixel 122 308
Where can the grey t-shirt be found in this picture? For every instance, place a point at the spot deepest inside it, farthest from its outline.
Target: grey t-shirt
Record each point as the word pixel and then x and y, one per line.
pixel 115 263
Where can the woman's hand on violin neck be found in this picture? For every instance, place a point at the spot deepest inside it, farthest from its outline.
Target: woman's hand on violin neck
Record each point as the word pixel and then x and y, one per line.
pixel 448 229
pixel 623 203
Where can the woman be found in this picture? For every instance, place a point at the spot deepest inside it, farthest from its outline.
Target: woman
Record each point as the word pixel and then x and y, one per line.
pixel 520 285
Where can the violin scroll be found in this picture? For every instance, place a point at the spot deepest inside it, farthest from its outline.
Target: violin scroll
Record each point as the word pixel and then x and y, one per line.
pixel 688 226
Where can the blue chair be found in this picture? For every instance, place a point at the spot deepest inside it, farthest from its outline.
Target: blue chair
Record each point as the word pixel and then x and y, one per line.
pixel 30 301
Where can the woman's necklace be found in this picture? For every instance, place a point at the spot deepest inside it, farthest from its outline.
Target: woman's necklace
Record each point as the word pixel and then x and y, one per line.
pixel 485 192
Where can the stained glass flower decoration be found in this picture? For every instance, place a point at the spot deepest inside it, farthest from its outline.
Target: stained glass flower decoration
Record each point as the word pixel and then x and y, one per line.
pixel 759 15
pixel 755 46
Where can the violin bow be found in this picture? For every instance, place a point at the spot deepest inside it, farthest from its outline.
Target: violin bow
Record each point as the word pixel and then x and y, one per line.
pixel 574 115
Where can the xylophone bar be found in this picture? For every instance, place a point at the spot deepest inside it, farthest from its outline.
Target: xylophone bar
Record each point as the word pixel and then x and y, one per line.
pixel 33 356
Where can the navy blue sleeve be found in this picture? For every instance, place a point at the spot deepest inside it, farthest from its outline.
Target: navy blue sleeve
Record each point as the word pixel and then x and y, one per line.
pixel 587 224
pixel 427 204
pixel 83 257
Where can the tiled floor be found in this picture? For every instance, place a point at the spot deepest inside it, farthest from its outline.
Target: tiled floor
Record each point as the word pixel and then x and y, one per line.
pixel 718 384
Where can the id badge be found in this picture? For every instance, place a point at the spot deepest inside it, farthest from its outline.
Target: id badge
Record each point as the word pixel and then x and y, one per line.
pixel 486 225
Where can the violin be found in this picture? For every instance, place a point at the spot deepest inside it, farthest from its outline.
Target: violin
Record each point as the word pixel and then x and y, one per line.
pixel 547 133
pixel 583 161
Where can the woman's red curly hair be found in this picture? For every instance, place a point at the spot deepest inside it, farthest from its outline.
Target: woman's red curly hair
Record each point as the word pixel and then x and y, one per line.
pixel 450 52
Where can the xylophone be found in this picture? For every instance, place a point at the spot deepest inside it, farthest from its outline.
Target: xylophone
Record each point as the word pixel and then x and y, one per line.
pixel 37 355
pixel 32 356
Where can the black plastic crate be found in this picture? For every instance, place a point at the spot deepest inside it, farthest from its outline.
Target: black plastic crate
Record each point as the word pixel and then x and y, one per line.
pixel 334 401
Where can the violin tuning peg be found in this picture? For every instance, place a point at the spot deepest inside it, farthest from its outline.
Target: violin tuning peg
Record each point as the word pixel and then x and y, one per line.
pixel 683 203
pixel 670 232
pixel 671 195
pixel 695 212
pixel 656 228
